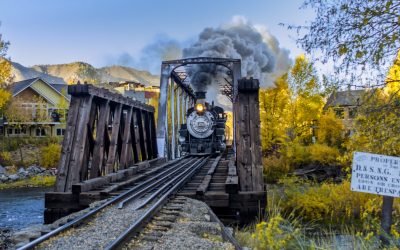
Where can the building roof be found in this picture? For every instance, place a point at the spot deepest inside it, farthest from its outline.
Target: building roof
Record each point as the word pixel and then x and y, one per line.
pixel 18 87
pixel 344 98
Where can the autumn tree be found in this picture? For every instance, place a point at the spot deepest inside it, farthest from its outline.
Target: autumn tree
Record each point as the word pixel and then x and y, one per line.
pixel 5 73
pixel 353 33
pixel 305 102
pixel 274 115
pixel 378 121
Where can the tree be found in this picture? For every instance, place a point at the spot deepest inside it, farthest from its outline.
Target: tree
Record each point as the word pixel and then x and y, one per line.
pixel 5 64
pixel 305 102
pixel 353 33
pixel 274 115
pixel 4 98
pixel 378 121
pixel 5 73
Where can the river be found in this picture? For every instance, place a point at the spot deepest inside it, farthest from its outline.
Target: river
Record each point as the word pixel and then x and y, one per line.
pixel 20 208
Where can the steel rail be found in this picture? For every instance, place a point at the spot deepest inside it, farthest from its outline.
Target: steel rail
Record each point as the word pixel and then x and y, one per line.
pixel 163 188
pixel 125 236
pixel 154 184
pixel 86 216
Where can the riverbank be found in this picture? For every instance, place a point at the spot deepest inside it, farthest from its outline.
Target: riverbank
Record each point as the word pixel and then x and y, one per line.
pixel 33 176
pixel 35 181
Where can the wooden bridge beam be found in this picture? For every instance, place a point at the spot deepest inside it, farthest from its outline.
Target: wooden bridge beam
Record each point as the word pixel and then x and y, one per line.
pixel 247 134
pixel 112 151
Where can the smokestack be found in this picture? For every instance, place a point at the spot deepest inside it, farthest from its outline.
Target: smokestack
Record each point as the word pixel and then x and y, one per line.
pixel 200 95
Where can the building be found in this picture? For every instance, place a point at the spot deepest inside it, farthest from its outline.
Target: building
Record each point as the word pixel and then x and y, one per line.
pixel 38 108
pixel 344 104
pixel 137 91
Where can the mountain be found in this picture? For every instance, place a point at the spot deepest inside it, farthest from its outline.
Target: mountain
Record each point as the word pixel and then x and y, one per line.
pixel 80 71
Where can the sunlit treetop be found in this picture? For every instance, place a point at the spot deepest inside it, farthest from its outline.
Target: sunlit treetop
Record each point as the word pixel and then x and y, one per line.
pixel 353 33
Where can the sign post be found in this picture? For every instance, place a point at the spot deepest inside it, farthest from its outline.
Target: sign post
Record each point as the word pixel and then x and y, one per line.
pixel 378 174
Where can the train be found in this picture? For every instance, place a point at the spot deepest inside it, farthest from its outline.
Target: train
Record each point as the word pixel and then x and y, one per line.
pixel 204 130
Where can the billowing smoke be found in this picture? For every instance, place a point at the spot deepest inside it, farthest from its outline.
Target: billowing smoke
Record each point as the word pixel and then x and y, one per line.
pixel 261 56
pixel 163 48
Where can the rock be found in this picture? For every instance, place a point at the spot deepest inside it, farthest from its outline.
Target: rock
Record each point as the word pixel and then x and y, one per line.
pixel 34 169
pixel 21 171
pixel 208 218
pixel 2 170
pixel 14 177
pixel 3 178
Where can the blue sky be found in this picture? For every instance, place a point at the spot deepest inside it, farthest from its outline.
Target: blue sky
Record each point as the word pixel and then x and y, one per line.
pixel 62 31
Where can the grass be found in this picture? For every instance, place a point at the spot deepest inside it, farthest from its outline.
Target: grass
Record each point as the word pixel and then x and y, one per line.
pixel 36 181
pixel 283 228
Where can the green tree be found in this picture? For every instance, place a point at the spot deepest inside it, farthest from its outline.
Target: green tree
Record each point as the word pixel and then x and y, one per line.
pixel 353 32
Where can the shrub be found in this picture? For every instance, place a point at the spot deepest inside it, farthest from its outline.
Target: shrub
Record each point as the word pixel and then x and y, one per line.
pixel 5 158
pixel 334 204
pixel 275 233
pixel 275 168
pixel 50 155
pixel 323 154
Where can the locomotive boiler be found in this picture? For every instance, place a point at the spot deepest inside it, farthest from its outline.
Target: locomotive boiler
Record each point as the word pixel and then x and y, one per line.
pixel 204 130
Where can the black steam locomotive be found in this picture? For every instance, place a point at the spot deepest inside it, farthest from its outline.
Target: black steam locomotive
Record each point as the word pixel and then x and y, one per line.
pixel 204 131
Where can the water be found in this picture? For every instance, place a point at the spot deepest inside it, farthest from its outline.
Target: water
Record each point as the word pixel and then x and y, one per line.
pixel 22 207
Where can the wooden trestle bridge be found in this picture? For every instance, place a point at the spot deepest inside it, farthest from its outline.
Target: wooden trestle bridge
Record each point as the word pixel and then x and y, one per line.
pixel 113 143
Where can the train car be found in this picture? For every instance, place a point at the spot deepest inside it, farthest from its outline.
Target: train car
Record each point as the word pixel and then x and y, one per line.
pixel 204 131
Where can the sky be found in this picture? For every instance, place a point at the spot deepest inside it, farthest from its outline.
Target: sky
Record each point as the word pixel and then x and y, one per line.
pixel 98 31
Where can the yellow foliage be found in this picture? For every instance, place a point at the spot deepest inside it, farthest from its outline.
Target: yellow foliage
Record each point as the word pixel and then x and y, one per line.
pixel 276 233
pixel 330 129
pixel 323 154
pixel 275 168
pixel 5 70
pixel 335 204
pixel 4 97
pixel 50 155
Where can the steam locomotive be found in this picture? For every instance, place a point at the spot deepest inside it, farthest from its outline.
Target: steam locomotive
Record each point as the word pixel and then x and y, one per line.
pixel 204 131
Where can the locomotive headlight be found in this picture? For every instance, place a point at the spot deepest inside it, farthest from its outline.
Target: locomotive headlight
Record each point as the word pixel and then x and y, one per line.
pixel 199 107
pixel 181 139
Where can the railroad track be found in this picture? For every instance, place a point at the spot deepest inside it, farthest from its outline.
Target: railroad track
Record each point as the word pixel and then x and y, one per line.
pixel 141 202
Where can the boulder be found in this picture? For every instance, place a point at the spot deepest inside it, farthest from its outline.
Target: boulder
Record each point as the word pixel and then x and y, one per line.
pixel 3 178
pixel 14 177
pixel 34 169
pixel 2 170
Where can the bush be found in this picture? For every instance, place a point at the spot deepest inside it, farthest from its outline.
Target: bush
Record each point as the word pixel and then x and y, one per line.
pixel 323 154
pixel 50 155
pixel 299 155
pixel 334 204
pixel 5 158
pixel 275 168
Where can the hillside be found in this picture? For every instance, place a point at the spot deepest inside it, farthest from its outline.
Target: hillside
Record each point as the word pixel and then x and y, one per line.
pixel 80 71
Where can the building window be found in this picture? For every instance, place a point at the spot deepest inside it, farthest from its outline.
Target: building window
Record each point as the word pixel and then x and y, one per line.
pixel 40 132
pixel 352 113
pixel 10 131
pixel 339 112
pixel 17 131
pixel 60 132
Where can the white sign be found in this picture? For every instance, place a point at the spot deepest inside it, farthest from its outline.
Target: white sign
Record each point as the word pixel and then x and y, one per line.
pixel 376 174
